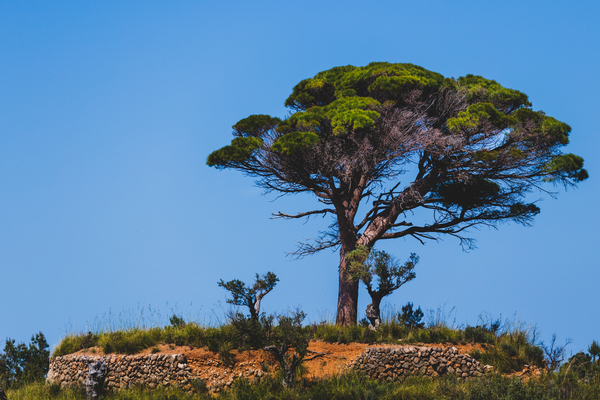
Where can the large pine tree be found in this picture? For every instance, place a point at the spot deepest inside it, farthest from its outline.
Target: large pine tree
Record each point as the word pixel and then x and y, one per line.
pixel 468 151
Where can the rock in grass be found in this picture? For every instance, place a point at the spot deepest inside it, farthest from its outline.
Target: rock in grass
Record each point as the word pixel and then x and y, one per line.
pixel 95 379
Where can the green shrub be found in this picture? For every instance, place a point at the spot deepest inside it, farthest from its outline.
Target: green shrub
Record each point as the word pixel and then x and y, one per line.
pixel 225 354
pixel 479 334
pixel 214 338
pixel 250 333
pixel 194 335
pixel 199 385
pixel 179 337
pixel 534 355
pixel 368 336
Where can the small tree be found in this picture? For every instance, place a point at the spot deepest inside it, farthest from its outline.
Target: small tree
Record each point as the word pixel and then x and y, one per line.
pixel 289 335
pixel 594 350
pixel 411 319
pixel 250 296
pixel 555 353
pixel 177 321
pixel 365 264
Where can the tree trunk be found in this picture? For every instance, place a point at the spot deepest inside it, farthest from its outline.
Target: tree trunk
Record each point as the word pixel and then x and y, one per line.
pixel 348 290
pixel 373 311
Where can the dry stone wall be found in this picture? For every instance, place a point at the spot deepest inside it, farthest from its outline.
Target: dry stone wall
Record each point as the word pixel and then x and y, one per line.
pixel 150 370
pixel 390 363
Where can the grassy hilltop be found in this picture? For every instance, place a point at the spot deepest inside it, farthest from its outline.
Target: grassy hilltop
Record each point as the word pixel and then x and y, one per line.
pixel 508 346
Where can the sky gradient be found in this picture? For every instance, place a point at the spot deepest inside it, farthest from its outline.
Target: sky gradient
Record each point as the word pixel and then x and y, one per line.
pixel 108 111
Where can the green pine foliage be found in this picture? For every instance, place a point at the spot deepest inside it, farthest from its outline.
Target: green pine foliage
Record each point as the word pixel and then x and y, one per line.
pixel 21 363
pixel 594 350
pixel 411 318
pixel 294 141
pixel 567 166
pixel 350 98
pixel 240 149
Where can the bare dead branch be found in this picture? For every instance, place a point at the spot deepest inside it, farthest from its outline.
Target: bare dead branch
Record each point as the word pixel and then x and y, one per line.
pixel 279 214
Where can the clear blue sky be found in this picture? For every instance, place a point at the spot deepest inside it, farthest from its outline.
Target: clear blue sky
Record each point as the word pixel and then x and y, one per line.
pixel 108 111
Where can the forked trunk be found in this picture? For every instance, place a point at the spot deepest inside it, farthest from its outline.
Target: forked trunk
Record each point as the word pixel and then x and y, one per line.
pixel 348 291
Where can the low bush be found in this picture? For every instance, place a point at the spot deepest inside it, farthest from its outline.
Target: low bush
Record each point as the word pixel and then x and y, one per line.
pixel 249 333
pixel 479 334
pixel 214 338
pixel 225 354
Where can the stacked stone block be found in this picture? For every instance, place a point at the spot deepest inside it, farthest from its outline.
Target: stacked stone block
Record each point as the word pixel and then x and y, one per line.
pixel 390 363
pixel 150 370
